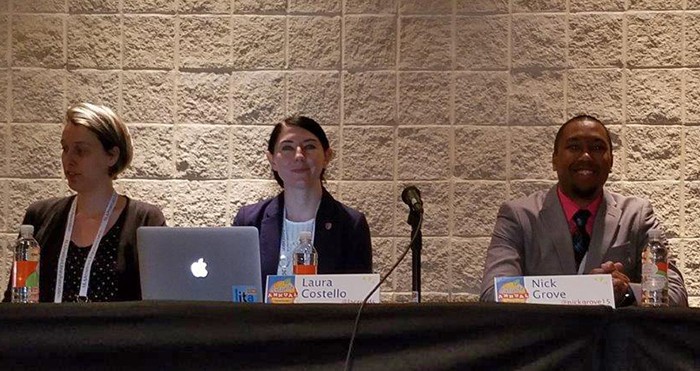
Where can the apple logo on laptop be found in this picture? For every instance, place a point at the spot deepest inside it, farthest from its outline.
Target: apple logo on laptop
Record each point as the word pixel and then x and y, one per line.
pixel 199 268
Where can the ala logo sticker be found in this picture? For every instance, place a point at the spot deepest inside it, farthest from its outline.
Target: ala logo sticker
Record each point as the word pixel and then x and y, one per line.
pixel 199 268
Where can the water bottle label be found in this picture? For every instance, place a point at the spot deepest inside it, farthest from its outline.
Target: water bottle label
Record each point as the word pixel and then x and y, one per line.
pixel 25 274
pixel 304 269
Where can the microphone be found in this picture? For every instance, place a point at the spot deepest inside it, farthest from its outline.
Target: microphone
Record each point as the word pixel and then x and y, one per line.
pixel 411 197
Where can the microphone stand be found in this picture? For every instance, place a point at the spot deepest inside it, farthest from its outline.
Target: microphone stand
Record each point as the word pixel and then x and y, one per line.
pixel 414 219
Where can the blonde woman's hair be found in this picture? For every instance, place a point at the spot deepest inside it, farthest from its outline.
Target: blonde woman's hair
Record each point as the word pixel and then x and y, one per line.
pixel 108 127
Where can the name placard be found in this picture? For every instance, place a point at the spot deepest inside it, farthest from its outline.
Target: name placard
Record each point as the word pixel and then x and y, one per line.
pixel 586 289
pixel 321 288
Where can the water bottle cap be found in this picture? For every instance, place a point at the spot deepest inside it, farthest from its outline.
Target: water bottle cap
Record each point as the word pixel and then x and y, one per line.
pixel 26 230
pixel 305 236
pixel 654 234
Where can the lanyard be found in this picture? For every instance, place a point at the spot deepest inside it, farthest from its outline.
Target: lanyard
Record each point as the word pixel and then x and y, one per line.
pixel 85 281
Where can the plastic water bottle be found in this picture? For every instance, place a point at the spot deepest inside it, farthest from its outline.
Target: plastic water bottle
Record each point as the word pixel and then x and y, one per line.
pixel 654 271
pixel 305 255
pixel 25 269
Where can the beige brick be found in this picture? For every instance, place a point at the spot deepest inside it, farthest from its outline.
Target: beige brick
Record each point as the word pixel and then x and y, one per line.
pixel 37 41
pixel 315 94
pixel 370 98
pixel 205 42
pixel 425 43
pixel 597 5
pixel 314 6
pixel 482 6
pixel 332 170
pixel 382 259
pixel 596 92
pixel 149 6
pixel 258 6
pixel 370 42
pixel 481 98
pixel 482 42
pixel 524 188
pixel 370 6
pixel 692 153
pixel 37 95
pixel 23 192
pixel 153 148
pixel 619 158
pixel 368 153
pixel 425 7
pixel 435 266
pixel 424 98
pixel 93 6
pixel 149 42
pixel 596 40
pixel 258 42
pixel 653 153
pixel 36 6
pixel 4 40
pixel 692 96
pixel 205 204
pixel 4 84
pixel 98 87
pixel 655 40
pixel 665 199
pixel 203 98
pixel 656 5
pixel 436 203
pixel 159 193
pixel 246 192
pixel 94 41
pixel 35 151
pixel 690 267
pixel 464 298
pixel 205 7
pixel 6 254
pixel 539 41
pixel 202 152
pixel 257 98
pixel 481 152
pixel 468 263
pixel 691 27
pixel 148 96
pixel 475 207
pixel 654 96
pixel 249 145
pixel 693 4
pixel 314 42
pixel 424 153
pixel 525 6
pixel 531 152
pixel 4 146
pixel 537 98
pixel 376 200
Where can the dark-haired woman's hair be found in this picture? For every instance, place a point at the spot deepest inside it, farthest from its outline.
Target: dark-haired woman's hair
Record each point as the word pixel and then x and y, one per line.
pixel 305 123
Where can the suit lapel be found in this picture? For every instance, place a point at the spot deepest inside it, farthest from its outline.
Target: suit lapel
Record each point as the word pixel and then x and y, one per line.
pixel 326 233
pixel 607 224
pixel 556 228
pixel 270 233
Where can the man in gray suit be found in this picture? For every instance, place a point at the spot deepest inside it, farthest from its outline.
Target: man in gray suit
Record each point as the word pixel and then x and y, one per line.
pixel 577 227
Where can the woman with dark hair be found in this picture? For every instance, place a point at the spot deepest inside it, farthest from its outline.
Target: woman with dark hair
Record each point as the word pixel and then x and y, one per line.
pixel 299 152
pixel 96 149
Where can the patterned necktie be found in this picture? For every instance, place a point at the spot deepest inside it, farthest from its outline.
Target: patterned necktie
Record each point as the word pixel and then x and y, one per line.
pixel 580 238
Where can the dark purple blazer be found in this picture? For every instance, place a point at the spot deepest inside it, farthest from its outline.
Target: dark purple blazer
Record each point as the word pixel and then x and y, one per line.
pixel 342 236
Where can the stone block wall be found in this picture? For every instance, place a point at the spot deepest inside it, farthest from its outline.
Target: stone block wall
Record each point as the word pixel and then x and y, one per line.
pixel 459 97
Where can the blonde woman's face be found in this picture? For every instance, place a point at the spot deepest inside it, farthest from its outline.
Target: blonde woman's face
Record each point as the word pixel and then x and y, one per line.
pixel 85 162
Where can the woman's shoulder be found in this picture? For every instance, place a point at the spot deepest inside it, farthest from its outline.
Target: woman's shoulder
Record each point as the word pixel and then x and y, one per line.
pixel 341 208
pixel 144 209
pixel 49 205
pixel 252 211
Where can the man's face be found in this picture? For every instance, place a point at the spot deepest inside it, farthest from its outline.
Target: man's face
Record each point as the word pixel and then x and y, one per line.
pixel 582 160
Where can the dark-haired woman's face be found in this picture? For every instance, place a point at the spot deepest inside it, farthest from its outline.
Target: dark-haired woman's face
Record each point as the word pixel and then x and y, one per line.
pixel 299 158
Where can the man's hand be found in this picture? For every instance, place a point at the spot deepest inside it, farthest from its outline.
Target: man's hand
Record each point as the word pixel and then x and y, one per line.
pixel 620 280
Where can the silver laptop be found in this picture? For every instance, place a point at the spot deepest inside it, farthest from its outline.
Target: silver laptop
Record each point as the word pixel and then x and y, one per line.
pixel 205 263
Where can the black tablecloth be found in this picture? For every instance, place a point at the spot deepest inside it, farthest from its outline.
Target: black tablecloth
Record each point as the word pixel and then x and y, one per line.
pixel 189 335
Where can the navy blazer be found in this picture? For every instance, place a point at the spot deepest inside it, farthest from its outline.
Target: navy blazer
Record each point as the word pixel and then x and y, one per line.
pixel 342 236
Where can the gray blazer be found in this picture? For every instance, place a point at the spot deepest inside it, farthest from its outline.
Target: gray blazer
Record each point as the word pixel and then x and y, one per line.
pixel 531 237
